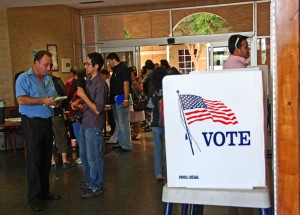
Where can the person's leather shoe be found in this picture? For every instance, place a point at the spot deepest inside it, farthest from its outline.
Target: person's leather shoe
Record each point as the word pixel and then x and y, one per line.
pixel 67 165
pixel 123 150
pixel 36 206
pixel 52 196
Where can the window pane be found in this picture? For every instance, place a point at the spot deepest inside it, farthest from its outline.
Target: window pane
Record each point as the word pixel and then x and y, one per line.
pixel 134 26
pixel 233 22
pixel 111 27
pixel 89 30
pixel 188 58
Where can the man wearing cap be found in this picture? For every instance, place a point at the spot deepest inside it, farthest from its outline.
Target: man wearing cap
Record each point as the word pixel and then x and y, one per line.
pixel 239 52
pixel 35 94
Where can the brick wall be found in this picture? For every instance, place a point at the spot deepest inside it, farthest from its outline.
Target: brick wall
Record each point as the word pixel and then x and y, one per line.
pixel 26 29
pixel 6 79
pixel 156 24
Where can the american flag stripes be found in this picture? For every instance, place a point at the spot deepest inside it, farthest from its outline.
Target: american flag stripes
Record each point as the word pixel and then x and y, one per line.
pixel 196 108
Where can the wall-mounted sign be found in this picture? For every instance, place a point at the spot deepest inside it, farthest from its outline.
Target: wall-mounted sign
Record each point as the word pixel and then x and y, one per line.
pixel 66 64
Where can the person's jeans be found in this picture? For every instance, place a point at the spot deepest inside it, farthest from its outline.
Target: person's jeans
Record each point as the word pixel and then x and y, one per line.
pixel 91 154
pixel 114 137
pixel 76 129
pixel 158 137
pixel 121 119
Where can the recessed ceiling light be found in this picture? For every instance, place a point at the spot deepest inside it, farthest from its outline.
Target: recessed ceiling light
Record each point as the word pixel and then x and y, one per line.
pixel 91 2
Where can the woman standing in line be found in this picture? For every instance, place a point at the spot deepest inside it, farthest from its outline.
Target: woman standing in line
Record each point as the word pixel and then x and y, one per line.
pixel 157 125
pixel 136 117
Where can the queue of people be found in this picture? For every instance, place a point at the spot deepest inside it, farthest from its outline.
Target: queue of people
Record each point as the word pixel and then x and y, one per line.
pixel 88 92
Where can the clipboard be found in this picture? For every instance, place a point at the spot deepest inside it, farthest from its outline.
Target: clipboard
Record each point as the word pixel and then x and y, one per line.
pixel 119 100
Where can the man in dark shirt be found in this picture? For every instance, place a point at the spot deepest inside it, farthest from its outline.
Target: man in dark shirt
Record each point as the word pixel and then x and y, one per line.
pixel 90 136
pixel 120 84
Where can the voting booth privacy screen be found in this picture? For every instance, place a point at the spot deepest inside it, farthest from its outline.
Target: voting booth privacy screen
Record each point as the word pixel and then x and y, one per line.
pixel 214 129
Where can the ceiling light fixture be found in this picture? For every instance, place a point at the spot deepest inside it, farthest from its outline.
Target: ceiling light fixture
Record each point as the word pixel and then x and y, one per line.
pixel 171 41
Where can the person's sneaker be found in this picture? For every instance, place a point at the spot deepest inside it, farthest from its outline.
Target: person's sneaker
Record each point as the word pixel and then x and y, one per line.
pixel 78 161
pixel 116 148
pixel 91 193
pixel 84 186
pixel 160 177
pixel 111 142
pixel 122 150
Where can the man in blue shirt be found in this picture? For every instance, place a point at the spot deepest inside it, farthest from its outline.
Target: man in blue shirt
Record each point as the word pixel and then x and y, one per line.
pixel 35 94
pixel 90 135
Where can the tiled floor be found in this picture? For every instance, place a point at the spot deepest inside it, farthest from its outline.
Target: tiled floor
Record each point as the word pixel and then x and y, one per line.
pixel 129 186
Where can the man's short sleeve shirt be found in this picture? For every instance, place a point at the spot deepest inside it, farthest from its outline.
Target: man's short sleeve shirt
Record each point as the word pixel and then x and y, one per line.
pixel 97 91
pixel 120 74
pixel 29 85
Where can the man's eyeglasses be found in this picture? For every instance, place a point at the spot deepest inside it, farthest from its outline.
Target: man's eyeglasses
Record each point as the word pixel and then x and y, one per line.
pixel 87 64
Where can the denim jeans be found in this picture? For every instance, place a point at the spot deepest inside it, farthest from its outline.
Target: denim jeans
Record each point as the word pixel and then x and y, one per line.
pixel 158 137
pixel 76 128
pixel 91 154
pixel 121 119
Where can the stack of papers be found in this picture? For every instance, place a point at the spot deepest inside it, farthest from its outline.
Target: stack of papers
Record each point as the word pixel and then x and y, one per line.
pixel 17 119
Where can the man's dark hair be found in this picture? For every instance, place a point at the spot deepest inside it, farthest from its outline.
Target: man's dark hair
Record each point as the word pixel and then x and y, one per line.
pixel 131 69
pixel 112 56
pixel 235 41
pixel 40 54
pixel 156 79
pixel 165 64
pixel 104 72
pixel 96 58
pixel 149 65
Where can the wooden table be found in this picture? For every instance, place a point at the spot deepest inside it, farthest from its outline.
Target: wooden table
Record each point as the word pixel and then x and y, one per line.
pixel 11 128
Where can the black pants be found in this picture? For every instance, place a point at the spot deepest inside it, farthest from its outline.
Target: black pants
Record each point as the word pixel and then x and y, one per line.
pixel 39 139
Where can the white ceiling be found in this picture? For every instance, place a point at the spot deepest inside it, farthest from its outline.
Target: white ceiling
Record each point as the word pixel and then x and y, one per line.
pixel 76 3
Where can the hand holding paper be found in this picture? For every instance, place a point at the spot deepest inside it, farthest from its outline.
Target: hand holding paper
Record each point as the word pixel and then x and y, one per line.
pixel 60 98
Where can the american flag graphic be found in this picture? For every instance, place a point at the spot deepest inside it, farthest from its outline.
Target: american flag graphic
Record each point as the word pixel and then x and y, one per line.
pixel 197 108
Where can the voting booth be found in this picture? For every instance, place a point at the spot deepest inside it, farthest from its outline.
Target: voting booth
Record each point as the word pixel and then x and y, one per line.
pixel 214 129
pixel 215 126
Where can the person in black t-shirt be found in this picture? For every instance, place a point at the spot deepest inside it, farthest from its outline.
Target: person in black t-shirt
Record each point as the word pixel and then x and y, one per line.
pixel 120 83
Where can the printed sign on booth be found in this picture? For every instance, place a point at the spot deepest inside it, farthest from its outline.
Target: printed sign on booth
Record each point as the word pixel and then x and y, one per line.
pixel 214 129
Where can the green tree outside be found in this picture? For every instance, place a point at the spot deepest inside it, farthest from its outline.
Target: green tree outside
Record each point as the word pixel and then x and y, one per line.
pixel 201 24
